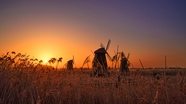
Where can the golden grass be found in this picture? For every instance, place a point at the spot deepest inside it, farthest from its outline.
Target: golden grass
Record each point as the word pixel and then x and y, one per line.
pixel 26 84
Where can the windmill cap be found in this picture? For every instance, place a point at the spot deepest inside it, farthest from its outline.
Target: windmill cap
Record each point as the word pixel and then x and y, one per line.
pixel 70 61
pixel 100 50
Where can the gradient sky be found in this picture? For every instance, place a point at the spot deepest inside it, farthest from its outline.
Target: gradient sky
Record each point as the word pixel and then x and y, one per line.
pixel 147 29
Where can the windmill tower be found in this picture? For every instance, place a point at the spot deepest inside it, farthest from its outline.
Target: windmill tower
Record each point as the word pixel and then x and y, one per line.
pixel 99 63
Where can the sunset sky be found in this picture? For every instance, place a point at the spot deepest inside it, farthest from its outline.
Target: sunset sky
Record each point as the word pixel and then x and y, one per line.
pixel 147 29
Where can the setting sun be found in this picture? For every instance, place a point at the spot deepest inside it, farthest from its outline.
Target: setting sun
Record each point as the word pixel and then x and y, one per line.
pixel 45 57
pixel 45 61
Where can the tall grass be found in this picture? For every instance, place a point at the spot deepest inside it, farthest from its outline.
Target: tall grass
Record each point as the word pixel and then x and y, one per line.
pixel 29 82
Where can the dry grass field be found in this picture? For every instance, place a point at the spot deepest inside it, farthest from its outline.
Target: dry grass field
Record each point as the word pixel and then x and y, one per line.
pixel 28 82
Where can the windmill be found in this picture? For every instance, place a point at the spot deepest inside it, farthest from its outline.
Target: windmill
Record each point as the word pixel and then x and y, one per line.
pixel 124 62
pixel 115 58
pixel 99 63
pixel 70 64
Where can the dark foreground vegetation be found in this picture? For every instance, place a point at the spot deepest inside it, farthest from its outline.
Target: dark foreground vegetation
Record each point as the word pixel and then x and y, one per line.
pixel 50 86
pixel 23 81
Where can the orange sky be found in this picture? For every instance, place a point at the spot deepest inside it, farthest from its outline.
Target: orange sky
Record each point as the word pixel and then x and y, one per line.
pixel 66 29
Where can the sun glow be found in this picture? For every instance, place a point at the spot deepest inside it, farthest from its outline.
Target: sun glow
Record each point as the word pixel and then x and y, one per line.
pixel 45 57
pixel 45 61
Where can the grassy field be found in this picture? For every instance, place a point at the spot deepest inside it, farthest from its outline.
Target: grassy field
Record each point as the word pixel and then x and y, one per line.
pixel 72 87
pixel 24 83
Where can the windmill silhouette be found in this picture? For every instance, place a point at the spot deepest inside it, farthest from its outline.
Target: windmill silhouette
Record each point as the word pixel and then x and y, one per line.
pixel 70 64
pixel 124 62
pixel 99 63
pixel 124 65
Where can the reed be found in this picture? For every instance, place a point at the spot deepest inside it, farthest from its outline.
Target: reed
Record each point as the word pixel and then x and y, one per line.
pixel 29 82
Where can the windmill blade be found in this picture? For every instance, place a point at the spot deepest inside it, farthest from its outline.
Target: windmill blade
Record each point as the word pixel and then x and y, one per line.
pixel 117 49
pixel 118 57
pixel 102 46
pixel 114 58
pixel 108 44
pixel 108 56
pixel 128 56
pixel 129 61
pixel 73 59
